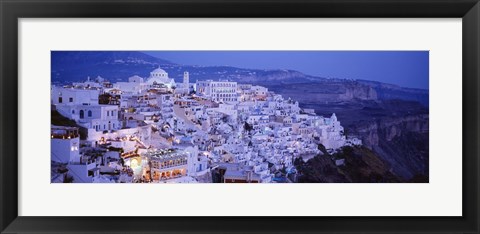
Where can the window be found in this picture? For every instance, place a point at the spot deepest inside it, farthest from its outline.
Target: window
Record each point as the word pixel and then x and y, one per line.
pixel 59 99
pixel 70 99
pixel 108 113
pixel 82 114
pixel 89 113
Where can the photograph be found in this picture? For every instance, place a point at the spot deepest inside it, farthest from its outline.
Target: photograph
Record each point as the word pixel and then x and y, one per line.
pixel 239 116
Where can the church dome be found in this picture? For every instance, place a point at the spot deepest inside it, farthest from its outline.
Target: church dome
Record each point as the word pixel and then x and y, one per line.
pixel 158 70
pixel 158 73
pixel 159 76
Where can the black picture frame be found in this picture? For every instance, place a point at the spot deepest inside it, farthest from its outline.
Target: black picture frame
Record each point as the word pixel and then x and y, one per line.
pixel 12 10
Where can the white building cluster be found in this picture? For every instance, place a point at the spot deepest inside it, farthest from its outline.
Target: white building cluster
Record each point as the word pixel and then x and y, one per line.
pixel 156 130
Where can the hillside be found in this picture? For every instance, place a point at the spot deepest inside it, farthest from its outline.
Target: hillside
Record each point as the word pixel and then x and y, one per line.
pixel 361 165
pixel 74 66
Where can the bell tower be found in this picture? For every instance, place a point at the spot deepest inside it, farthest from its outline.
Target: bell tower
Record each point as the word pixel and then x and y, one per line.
pixel 186 79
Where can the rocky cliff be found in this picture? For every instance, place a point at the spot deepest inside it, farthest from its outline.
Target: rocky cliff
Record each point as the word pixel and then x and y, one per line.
pixel 327 91
pixel 392 127
pixel 395 130
pixel 390 91
pixel 395 150
pixel 358 91
pixel 401 141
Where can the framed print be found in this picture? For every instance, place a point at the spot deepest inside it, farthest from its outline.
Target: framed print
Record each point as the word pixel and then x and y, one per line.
pixel 226 116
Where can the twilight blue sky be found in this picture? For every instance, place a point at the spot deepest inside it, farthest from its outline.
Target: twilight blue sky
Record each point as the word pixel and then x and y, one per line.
pixel 403 68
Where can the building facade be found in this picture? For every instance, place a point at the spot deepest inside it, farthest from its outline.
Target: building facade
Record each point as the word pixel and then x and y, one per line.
pixel 218 91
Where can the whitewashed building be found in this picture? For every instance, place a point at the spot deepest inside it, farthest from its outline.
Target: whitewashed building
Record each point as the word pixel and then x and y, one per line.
pixel 74 96
pixel 65 144
pixel 98 117
pixel 218 91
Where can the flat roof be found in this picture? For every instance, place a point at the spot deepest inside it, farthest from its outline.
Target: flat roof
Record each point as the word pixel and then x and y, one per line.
pixel 165 154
